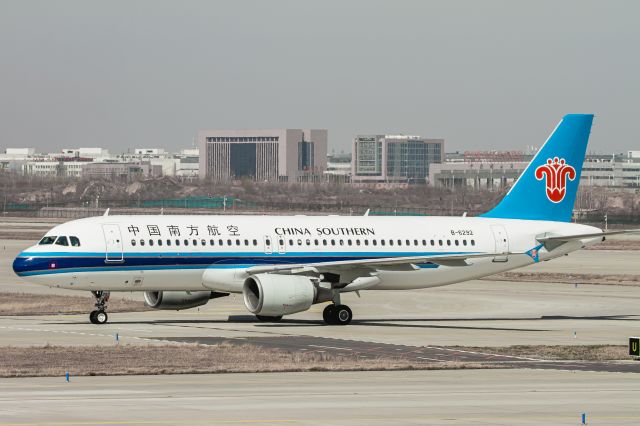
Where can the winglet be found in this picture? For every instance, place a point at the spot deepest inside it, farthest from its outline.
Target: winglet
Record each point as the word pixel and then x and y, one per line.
pixel 367 212
pixel 106 212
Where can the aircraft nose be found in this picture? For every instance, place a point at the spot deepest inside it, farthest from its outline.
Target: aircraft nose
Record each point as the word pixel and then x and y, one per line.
pixel 22 264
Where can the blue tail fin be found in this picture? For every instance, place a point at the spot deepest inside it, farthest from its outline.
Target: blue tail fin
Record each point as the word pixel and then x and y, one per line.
pixel 546 190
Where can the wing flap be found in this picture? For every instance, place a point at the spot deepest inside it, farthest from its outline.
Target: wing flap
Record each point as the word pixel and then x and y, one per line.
pixel 395 263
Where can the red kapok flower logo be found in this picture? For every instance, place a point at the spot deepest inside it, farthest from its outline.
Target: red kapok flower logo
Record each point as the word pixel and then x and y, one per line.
pixel 556 173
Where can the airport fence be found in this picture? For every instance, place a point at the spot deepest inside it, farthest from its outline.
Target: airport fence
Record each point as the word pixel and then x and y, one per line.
pixel 231 205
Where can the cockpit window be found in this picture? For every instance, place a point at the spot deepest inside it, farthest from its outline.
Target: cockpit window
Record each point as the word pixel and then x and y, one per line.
pixel 47 240
pixel 74 241
pixel 62 241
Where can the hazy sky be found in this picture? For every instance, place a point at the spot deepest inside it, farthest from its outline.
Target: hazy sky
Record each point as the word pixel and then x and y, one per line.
pixel 481 74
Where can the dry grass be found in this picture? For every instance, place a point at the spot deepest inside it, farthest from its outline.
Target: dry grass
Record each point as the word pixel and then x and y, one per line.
pixel 559 352
pixel 551 277
pixel 38 304
pixel 190 359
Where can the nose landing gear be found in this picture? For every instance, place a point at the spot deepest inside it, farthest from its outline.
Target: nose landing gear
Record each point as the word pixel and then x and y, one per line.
pixel 99 316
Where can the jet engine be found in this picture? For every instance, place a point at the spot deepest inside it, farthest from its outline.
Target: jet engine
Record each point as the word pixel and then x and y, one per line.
pixel 177 300
pixel 276 295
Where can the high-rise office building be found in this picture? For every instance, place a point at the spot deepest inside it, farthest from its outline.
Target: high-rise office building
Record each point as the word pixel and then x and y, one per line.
pixel 289 155
pixel 394 158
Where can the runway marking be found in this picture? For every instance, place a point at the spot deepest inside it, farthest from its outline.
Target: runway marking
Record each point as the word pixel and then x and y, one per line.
pixel 330 347
pixel 110 336
pixel 430 359
pixel 486 354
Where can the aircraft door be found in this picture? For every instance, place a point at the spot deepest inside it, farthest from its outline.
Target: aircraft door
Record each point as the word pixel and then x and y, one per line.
pixel 268 245
pixel 501 242
pixel 113 240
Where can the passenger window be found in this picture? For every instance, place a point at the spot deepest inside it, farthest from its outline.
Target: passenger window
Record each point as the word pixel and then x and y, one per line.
pixel 366 242
pixel 375 243
pixel 267 242
pixel 316 242
pixel 212 242
pixel 186 242
pixel 473 243
pixel 47 240
pixel 237 242
pixel 299 242
pixel 308 242
pixel 203 242
pixel 464 242
pixel 62 241
pixel 246 242
pixel 281 242
pixel 390 242
pixel 141 242
pixel 195 242
pixel 229 242
pixel 255 242
pixel 150 242
pixel 133 242
pixel 291 242
pixel 75 242
pixel 357 242
pixel 432 243
pixel 168 242
pixel 382 242
pixel 399 242
pixel 324 242
pixel 448 242
pixel 159 242
pixel 177 242
pixel 341 242
pixel 439 242
pixel 349 242
pixel 415 242
pixel 333 242
pixel 220 242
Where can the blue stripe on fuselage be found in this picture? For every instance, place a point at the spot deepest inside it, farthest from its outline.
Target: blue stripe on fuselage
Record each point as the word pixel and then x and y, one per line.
pixel 50 263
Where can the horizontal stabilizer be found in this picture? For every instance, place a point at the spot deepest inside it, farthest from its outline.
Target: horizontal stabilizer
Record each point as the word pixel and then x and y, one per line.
pixel 565 238
pixel 553 241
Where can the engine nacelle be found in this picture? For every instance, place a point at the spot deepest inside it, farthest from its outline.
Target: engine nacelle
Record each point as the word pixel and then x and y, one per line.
pixel 276 295
pixel 176 300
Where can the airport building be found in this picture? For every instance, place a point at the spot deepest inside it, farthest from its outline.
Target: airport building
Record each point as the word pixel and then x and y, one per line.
pixel 394 158
pixel 285 155
pixel 480 172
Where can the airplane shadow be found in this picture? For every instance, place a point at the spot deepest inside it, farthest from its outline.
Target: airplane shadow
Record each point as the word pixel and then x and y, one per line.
pixel 385 322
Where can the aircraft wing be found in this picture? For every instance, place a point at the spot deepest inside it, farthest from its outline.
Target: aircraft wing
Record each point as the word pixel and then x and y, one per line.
pixel 400 263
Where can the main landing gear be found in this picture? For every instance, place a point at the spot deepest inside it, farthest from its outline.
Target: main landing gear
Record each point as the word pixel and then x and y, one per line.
pixel 99 316
pixel 337 314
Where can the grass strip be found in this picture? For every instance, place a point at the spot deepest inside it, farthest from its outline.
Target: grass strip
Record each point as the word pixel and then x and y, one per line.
pixel 24 304
pixel 190 359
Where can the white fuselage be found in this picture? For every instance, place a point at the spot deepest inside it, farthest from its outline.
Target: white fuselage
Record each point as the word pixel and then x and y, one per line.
pixel 153 253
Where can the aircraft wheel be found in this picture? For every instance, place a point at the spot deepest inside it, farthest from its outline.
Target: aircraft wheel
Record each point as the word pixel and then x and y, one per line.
pixel 98 317
pixel 266 318
pixel 327 314
pixel 342 315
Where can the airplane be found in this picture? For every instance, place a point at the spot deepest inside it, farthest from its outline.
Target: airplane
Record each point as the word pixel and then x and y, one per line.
pixel 283 265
